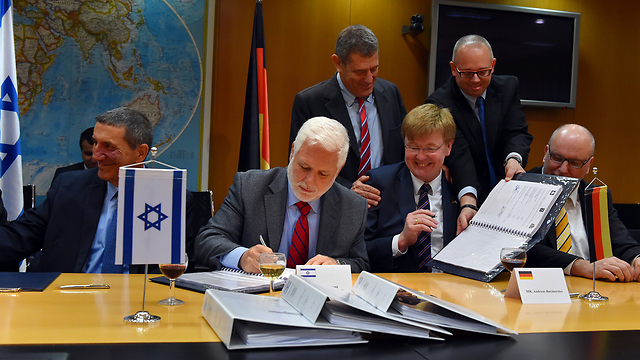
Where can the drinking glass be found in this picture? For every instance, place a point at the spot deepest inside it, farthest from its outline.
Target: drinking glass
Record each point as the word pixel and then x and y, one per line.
pixel 172 272
pixel 272 266
pixel 513 258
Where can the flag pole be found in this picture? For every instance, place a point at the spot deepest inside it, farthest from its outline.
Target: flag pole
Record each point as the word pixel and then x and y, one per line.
pixel 143 316
pixel 593 295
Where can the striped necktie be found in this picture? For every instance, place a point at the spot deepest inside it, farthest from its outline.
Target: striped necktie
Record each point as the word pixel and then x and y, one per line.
pixel 563 232
pixel 423 245
pixel 365 140
pixel 299 249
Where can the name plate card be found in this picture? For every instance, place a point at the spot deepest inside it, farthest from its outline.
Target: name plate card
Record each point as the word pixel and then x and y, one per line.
pixel 335 276
pixel 538 286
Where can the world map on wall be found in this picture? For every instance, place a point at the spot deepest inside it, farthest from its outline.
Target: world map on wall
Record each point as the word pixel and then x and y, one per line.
pixel 76 59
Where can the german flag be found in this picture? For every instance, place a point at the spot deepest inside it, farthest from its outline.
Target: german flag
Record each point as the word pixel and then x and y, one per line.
pixel 525 275
pixel 254 145
pixel 598 221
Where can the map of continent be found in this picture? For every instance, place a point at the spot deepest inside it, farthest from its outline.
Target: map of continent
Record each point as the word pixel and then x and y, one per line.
pixel 76 59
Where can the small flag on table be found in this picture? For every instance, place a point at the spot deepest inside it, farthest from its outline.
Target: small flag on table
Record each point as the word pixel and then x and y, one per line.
pixel 151 216
pixel 598 221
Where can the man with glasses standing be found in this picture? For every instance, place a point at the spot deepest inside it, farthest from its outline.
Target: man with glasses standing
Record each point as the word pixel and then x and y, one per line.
pixel 416 216
pixel 492 140
pixel 570 153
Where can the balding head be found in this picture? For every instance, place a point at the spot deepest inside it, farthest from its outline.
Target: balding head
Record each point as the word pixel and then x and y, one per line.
pixel 569 152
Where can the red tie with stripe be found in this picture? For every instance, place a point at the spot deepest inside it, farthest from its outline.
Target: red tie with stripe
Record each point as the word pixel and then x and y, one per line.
pixel 365 152
pixel 299 249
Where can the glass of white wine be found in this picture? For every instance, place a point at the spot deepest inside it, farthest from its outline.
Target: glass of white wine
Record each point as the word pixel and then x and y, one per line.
pixel 272 266
pixel 172 272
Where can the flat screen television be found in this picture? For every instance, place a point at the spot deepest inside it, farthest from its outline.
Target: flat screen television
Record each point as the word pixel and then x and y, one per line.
pixel 538 46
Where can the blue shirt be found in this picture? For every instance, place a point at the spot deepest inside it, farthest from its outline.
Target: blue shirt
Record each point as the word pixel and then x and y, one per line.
pixel 375 132
pixel 232 258
pixel 109 207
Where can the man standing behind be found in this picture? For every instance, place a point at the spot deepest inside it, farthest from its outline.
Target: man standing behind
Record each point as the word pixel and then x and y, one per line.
pixel 570 153
pixel 371 109
pixel 86 149
pixel 492 139
pixel 417 214
pixel 300 211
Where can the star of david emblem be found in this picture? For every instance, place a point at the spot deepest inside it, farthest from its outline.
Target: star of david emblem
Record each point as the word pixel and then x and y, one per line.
pixel 148 220
pixel 9 102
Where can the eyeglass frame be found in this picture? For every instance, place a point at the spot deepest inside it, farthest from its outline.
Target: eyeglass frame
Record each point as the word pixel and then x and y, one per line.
pixel 428 150
pixel 551 154
pixel 490 69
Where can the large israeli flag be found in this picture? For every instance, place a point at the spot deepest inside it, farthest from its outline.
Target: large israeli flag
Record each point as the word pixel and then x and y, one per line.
pixel 10 158
pixel 151 216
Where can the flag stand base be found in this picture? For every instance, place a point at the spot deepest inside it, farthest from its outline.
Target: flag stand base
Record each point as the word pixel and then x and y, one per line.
pixel 593 296
pixel 143 317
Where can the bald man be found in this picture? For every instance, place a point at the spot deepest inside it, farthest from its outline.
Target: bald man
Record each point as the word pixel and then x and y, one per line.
pixel 570 153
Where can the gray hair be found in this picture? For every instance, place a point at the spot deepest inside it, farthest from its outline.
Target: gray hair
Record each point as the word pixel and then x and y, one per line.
pixel 137 128
pixel 575 127
pixel 324 131
pixel 358 39
pixel 468 40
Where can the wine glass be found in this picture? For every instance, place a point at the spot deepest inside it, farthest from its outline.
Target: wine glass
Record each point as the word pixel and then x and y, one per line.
pixel 513 258
pixel 271 266
pixel 172 272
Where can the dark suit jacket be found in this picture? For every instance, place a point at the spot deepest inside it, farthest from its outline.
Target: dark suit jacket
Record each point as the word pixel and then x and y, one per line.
pixel 507 130
pixel 325 99
pixel 256 205
pixel 63 226
pixel 544 253
pixel 64 169
pixel 3 211
pixel 387 219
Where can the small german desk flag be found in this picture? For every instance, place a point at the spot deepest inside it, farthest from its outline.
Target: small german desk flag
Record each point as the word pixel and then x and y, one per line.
pixel 598 221
pixel 254 146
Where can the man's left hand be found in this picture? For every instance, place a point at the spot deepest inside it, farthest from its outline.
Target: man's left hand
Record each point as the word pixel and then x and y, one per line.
pixel 366 191
pixel 512 168
pixel 321 260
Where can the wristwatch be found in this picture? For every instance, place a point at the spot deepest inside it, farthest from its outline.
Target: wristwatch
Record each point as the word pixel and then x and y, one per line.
pixel 517 158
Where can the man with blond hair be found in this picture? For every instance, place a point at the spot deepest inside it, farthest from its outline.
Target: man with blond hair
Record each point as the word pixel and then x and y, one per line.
pixel 417 215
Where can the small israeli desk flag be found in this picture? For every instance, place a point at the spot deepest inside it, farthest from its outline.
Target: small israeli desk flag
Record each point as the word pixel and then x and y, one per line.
pixel 151 215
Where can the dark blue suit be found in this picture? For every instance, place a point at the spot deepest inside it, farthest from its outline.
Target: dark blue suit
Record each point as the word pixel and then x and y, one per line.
pixel 63 226
pixel 387 219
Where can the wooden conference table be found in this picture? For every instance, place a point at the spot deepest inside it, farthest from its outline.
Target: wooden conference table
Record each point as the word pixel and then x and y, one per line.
pixel 89 323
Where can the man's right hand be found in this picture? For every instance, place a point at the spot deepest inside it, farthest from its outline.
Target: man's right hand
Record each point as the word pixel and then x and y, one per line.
pixel 249 260
pixel 366 191
pixel 415 223
pixel 610 268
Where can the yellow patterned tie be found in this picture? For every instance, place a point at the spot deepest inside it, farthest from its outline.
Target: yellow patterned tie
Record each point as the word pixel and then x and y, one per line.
pixel 563 233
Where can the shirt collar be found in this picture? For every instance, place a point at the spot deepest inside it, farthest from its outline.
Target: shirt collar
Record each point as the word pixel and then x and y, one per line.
pixel 292 199
pixel 111 191
pixel 472 99
pixel 349 98
pixel 435 183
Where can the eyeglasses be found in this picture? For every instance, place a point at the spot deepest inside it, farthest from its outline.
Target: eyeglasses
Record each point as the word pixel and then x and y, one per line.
pixel 469 74
pixel 559 159
pixel 416 150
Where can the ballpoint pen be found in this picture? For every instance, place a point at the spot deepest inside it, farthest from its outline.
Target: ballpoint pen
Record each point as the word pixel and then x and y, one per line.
pixel 86 286
pixel 10 290
pixel 262 241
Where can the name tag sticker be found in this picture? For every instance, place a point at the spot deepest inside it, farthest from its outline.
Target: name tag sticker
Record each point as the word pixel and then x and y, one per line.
pixel 538 286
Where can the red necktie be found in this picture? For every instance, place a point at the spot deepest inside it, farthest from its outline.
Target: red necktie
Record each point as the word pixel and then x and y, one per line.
pixel 365 152
pixel 299 249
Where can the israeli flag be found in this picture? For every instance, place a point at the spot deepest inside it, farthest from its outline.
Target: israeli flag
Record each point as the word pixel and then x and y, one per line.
pixel 151 216
pixel 10 158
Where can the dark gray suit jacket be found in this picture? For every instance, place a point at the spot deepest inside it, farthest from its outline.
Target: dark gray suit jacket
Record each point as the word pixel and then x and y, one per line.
pixel 325 99
pixel 256 205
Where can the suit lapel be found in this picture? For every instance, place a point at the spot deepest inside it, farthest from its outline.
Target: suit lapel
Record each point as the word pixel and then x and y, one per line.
pixel 275 209
pixel 92 210
pixel 338 109
pixel 492 113
pixel 330 214
pixel 403 188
